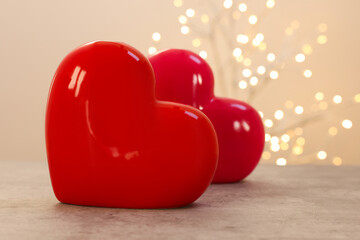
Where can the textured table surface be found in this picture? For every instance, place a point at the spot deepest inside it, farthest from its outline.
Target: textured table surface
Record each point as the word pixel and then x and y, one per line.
pixel 292 202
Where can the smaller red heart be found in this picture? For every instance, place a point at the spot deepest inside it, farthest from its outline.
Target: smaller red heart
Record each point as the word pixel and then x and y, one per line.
pixel 184 77
pixel 110 143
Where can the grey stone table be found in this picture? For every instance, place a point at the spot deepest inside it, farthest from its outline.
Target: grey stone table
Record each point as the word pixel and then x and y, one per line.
pixel 292 202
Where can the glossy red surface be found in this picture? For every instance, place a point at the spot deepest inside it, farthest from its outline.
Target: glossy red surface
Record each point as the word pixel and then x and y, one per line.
pixel 184 77
pixel 111 143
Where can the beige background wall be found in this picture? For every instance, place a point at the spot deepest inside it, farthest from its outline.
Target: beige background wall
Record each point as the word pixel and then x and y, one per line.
pixel 35 36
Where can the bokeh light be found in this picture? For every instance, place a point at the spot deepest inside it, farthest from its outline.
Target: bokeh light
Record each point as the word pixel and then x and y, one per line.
pixel 346 123
pixel 190 12
pixel 321 155
pixel 337 161
pixel 242 84
pixel 337 99
pixel 156 36
pixel 322 39
pixel 261 70
pixel 281 162
pixel 307 73
pixel 203 54
pixel 242 7
pixel 300 57
pixel 152 50
pixel 279 114
pixel 270 3
pixel 274 74
pixel 253 19
pixel 185 30
pixel 299 110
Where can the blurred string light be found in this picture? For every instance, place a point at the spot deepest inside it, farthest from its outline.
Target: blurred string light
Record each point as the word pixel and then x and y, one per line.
pixel 307 49
pixel 205 18
pixel 152 50
pixel 242 38
pixel 307 73
pixel 270 3
pixel 242 84
pixel 261 70
pixel 253 19
pixel 242 7
pixel 299 110
pixel 283 140
pixel 266 155
pixel 185 30
pixel 237 52
pixel 254 81
pixel 156 36
pixel 279 114
pixel 297 150
pixel 332 131
pixel 268 123
pixel 259 38
pixel 203 54
pixel 236 15
pixel 247 62
pixel 300 141
pixel 319 96
pixel 281 161
pixel 322 39
pixel 357 98
pixel 274 140
pixel 267 137
pixel 321 155
pixel 182 19
pixel 178 3
pixel 246 72
pixel 323 105
pixel 346 123
pixel 275 147
pixel 284 146
pixel 298 131
pixel 196 42
pixel 322 27
pixel 274 74
pixel 228 4
pixel 300 57
pixel 271 57
pixel 190 12
pixel 337 161
pixel 337 99
pixel 289 104
pixel 262 46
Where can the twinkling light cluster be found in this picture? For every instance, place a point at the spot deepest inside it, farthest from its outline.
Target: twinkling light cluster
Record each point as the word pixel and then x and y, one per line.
pixel 290 141
pixel 284 142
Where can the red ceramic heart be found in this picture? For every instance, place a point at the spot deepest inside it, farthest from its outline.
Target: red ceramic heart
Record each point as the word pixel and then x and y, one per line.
pixel 111 143
pixel 184 77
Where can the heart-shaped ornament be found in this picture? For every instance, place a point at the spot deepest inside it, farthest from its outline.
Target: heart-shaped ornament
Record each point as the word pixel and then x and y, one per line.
pixel 110 143
pixel 184 77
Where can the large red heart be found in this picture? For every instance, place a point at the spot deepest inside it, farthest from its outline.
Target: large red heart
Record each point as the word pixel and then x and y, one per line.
pixel 111 143
pixel 184 77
